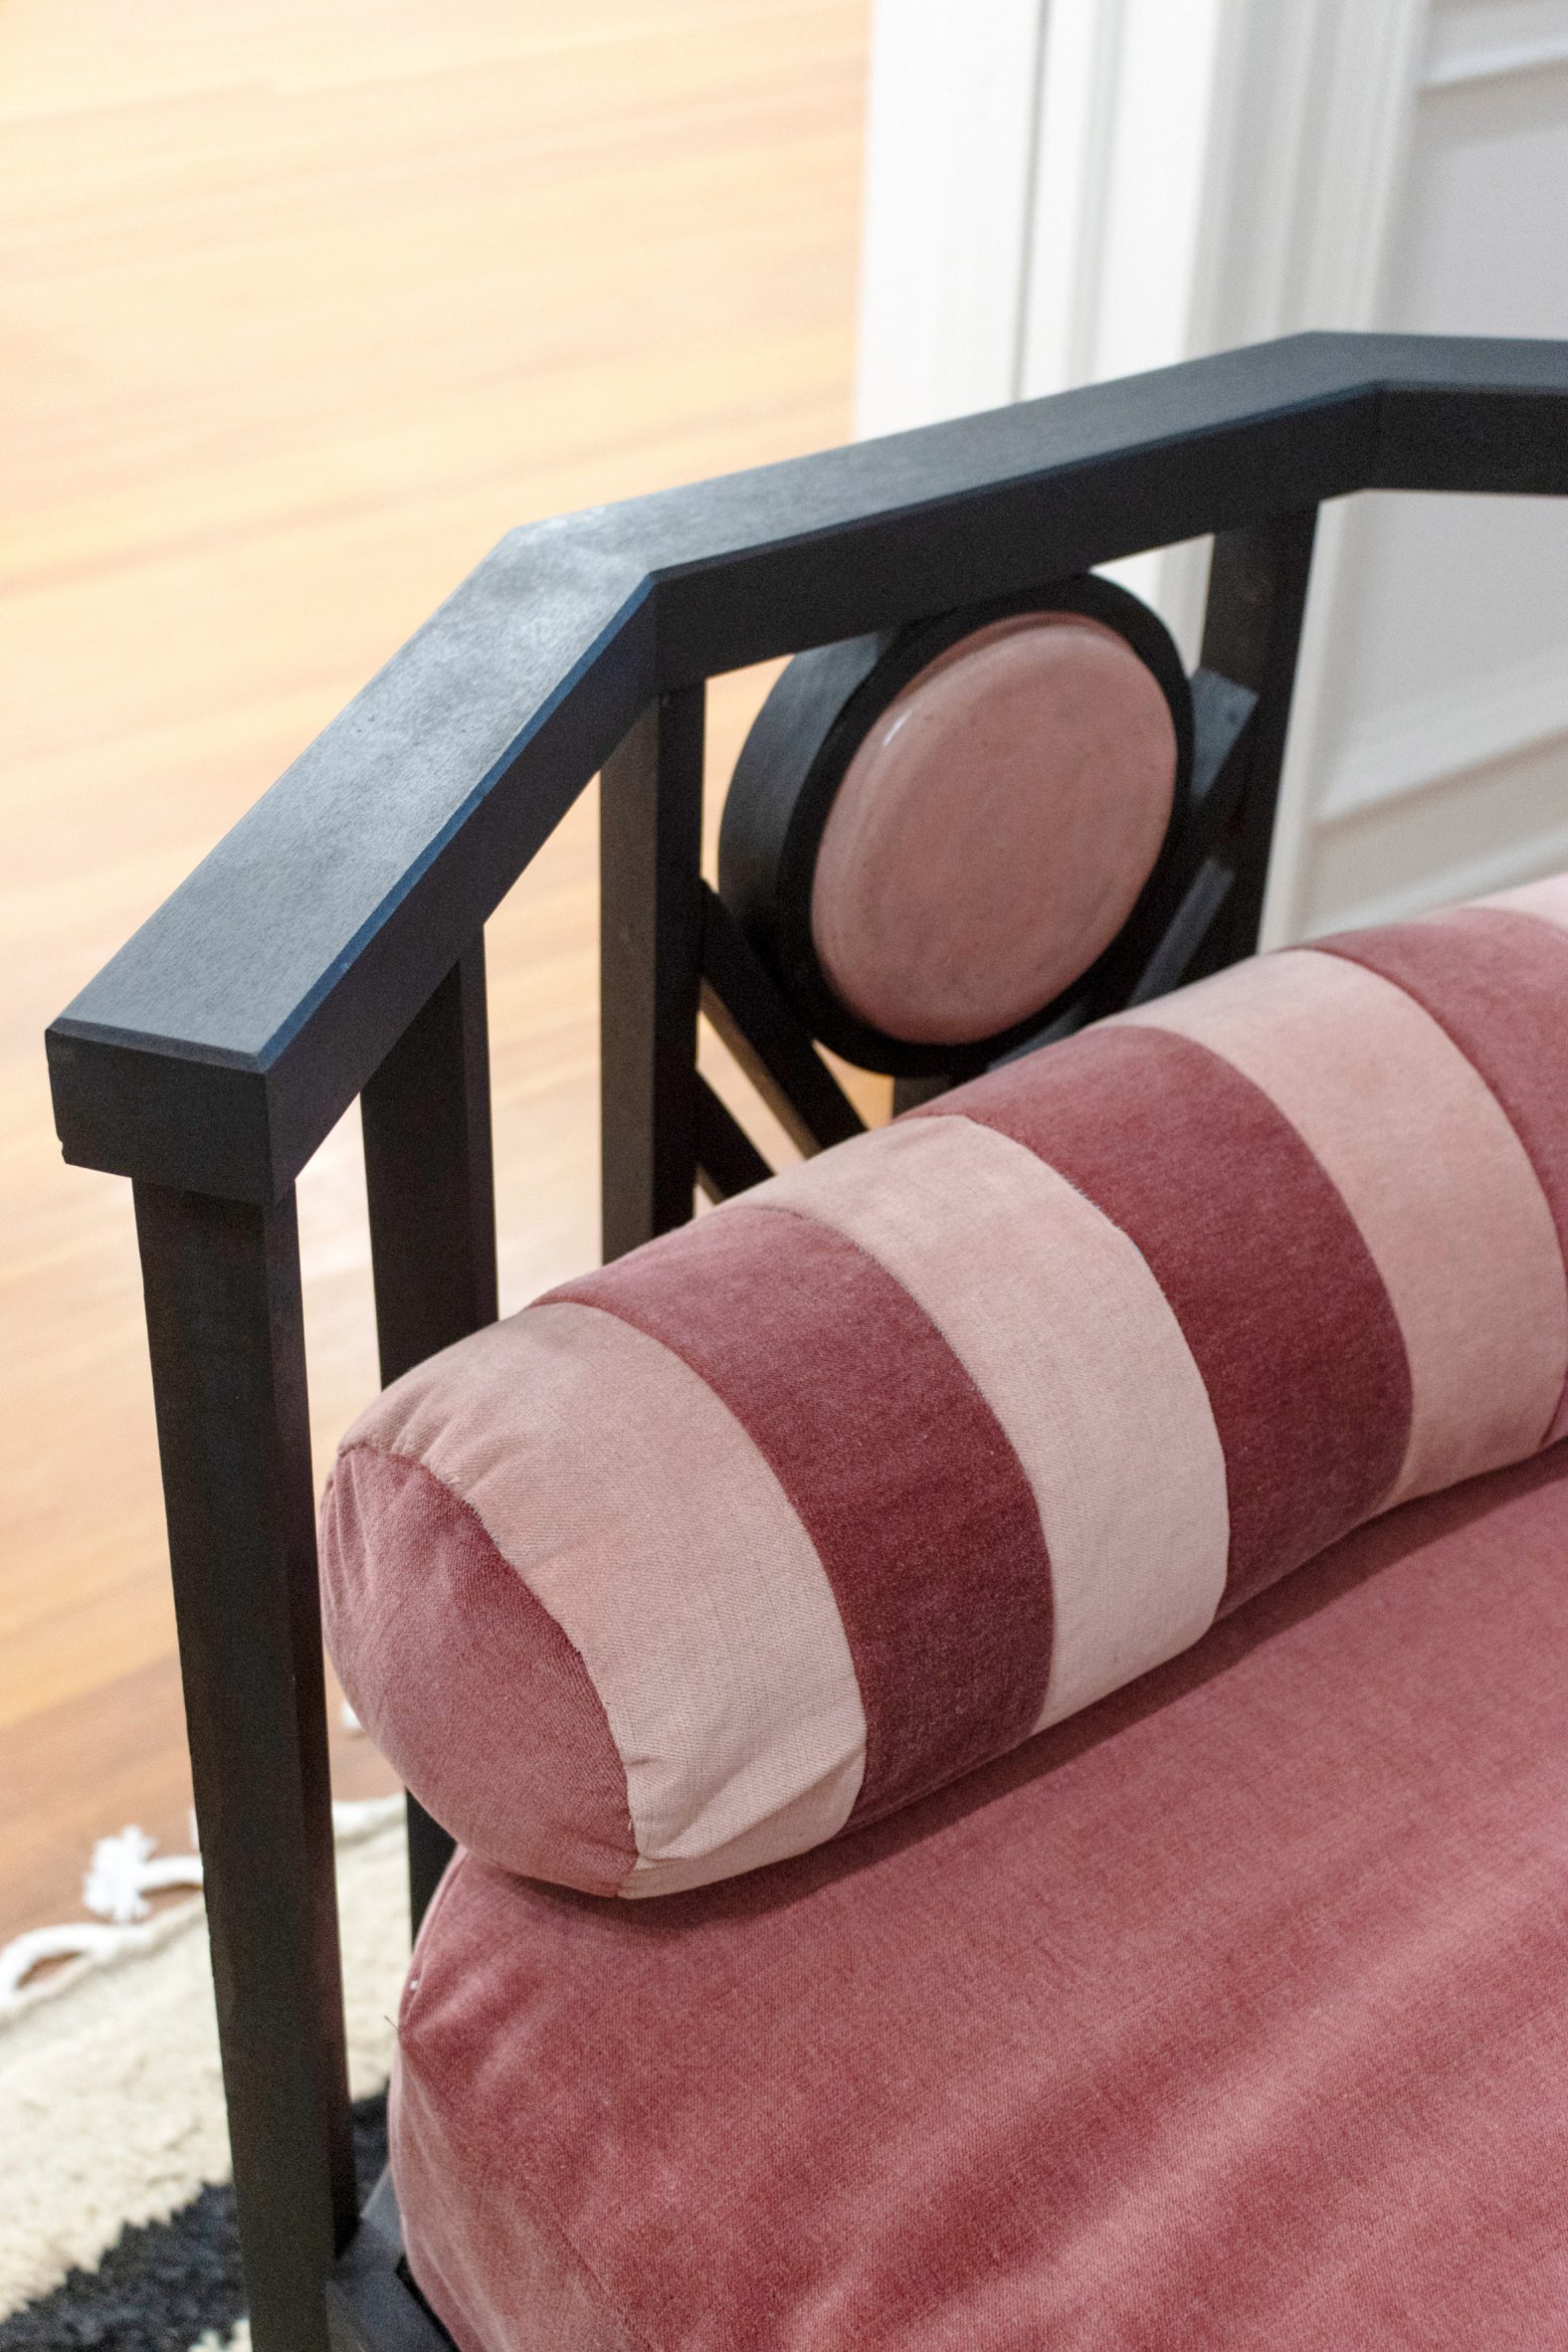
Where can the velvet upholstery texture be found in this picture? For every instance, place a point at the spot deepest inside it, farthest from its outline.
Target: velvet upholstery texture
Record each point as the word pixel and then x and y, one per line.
pixel 1227 2015
pixel 994 828
pixel 826 1499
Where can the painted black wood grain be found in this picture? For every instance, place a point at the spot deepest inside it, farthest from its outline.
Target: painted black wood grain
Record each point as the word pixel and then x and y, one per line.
pixel 431 1186
pixel 650 955
pixel 224 1041
pixel 226 1334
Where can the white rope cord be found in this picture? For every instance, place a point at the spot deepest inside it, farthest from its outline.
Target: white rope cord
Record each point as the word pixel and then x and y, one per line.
pixel 125 1871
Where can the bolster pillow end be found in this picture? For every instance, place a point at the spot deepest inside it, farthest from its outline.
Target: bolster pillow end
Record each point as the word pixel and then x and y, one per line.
pixel 464 1680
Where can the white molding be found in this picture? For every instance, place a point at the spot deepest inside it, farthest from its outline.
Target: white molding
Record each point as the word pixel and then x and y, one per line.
pixel 1058 310
pixel 951 138
pixel 1127 102
pixel 1502 868
pixel 1117 228
pixel 1476 40
pixel 1322 100
pixel 1420 746
pixel 1497 65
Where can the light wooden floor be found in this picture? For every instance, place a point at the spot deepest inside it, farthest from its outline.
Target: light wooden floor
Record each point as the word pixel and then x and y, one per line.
pixel 305 302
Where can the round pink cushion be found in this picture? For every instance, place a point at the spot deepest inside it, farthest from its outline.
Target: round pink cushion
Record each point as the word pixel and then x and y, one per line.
pixel 994 828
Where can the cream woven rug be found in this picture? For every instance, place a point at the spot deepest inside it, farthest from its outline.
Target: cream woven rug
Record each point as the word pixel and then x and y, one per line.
pixel 112 2111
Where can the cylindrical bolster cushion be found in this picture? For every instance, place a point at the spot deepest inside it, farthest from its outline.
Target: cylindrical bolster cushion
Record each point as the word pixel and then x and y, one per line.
pixel 800 1511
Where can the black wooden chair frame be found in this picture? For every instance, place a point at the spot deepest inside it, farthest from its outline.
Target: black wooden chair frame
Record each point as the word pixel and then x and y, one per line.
pixel 331 946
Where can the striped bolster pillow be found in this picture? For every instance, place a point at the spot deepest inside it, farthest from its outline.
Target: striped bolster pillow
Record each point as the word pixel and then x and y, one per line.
pixel 802 1510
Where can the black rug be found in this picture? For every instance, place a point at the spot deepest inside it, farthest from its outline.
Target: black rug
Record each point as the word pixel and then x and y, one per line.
pixel 164 2284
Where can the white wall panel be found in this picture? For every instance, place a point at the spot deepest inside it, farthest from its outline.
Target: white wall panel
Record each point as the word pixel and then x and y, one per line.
pixel 1442 752
pixel 949 173
pixel 1199 173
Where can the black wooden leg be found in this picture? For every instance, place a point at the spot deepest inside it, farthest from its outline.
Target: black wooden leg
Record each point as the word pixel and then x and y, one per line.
pixel 430 1178
pixel 1252 634
pixel 224 1330
pixel 651 951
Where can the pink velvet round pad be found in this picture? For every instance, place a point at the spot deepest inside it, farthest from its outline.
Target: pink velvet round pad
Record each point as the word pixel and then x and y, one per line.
pixel 994 828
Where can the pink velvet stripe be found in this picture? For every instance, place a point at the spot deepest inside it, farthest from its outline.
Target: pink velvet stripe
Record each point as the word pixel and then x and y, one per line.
pixel 1497 983
pixel 1439 1186
pixel 409 1567
pixel 898 1469
pixel 1265 1267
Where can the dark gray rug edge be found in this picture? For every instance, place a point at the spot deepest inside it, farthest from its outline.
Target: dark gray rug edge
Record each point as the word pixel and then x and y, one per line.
pixel 162 2286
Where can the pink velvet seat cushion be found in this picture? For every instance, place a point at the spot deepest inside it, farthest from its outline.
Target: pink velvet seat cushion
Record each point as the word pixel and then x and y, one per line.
pixel 852 1485
pixel 1233 2013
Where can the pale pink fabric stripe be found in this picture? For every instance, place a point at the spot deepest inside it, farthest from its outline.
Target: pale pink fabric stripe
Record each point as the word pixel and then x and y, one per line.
pixel 1437 1180
pixel 1057 1320
pixel 586 1449
pixel 1548 899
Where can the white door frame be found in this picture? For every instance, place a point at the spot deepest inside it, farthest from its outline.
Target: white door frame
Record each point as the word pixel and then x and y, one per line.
pixel 1144 181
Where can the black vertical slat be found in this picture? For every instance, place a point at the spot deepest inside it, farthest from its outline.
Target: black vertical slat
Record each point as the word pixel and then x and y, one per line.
pixel 227 1341
pixel 649 967
pixel 429 1173
pixel 1251 635
pixel 430 1179
pixel 910 1093
pixel 728 1161
pixel 768 1039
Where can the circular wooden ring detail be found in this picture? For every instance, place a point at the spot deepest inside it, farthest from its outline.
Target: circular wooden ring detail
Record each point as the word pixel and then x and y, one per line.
pixel 932 837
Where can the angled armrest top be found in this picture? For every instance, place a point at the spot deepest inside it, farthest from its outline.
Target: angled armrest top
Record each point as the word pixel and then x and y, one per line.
pixel 220 1045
